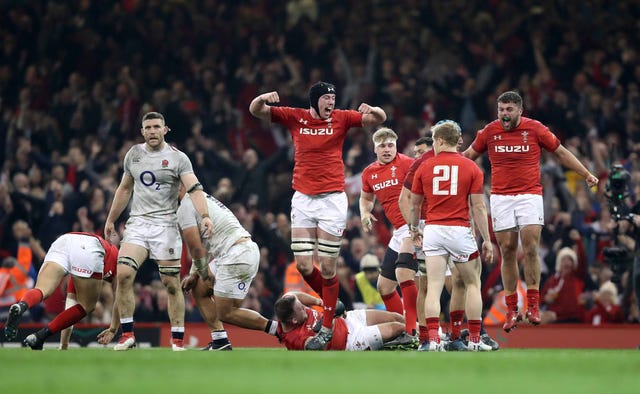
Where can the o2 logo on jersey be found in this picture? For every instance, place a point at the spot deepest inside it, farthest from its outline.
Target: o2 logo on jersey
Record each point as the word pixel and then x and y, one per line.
pixel 148 179
pixel 444 174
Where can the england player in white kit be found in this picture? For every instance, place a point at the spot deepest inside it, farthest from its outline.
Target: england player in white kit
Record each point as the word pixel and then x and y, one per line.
pixel 230 260
pixel 153 171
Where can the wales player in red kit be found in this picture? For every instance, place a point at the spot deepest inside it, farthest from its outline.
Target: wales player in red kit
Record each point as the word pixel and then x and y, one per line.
pixel 88 259
pixel 514 144
pixel 450 183
pixel 383 180
pixel 319 205
pixel 360 329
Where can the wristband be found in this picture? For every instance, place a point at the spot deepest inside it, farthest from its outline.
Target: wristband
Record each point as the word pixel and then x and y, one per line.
pixel 413 228
pixel 201 267
pixel 205 215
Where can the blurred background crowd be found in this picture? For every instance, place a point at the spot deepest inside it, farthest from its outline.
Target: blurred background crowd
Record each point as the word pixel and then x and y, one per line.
pixel 75 77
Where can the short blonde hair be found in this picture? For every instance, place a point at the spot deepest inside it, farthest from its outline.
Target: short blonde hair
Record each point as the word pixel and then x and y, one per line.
pixel 383 134
pixel 448 130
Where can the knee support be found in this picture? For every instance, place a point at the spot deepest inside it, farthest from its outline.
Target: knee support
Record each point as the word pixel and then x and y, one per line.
pixel 406 260
pixel 303 246
pixel 128 261
pixel 172 270
pixel 329 248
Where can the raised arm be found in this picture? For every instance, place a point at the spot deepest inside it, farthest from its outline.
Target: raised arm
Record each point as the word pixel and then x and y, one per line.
pixel 372 116
pixel 259 107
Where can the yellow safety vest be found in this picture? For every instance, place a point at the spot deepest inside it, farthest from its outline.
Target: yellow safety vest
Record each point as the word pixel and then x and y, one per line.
pixel 370 295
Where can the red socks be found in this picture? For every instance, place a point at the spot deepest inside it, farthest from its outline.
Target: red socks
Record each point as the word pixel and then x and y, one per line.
pixel 314 279
pixel 393 303
pixel 32 297
pixel 474 330
pixel 456 318
pixel 433 324
pixel 423 333
pixel 512 301
pixel 533 298
pixel 409 298
pixel 330 290
pixel 67 318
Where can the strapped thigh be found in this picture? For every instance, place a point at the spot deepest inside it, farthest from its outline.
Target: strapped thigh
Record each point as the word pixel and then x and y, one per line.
pixel 128 261
pixel 303 246
pixel 171 270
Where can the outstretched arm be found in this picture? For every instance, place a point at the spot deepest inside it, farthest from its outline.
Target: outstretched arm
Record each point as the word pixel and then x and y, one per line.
pixel 568 160
pixel 470 153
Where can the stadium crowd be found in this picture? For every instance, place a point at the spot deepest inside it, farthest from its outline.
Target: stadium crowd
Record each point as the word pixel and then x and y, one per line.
pixel 75 78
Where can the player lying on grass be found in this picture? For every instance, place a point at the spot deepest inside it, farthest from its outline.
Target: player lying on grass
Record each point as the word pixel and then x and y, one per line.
pixel 361 329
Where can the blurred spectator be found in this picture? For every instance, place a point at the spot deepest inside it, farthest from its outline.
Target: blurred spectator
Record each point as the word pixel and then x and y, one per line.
pixel 560 293
pixel 366 292
pixel 606 308
pixel 74 77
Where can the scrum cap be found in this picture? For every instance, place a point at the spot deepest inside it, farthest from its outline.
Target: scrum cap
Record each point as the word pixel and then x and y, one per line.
pixel 317 90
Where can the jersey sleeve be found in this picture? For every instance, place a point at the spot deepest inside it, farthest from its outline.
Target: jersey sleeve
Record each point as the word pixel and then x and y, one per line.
pixel 480 143
pixel 546 138
pixel 127 162
pixel 477 181
pixel 411 173
pixel 184 164
pixel 352 119
pixel 186 214
pixel 416 188
pixel 280 115
pixel 366 187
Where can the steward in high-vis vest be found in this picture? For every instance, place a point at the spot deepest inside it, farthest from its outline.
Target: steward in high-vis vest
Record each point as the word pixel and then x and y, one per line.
pixel 497 314
pixel 14 275
pixel 366 290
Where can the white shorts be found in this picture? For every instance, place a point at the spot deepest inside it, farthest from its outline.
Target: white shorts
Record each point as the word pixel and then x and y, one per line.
pixel 401 233
pixel 398 235
pixel 515 212
pixel 361 336
pixel 79 255
pixel 456 241
pixel 235 269
pixel 163 243
pixel 422 266
pixel 328 211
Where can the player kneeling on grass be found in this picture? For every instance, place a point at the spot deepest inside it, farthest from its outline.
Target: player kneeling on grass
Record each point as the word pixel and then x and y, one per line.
pixel 89 259
pixel 361 329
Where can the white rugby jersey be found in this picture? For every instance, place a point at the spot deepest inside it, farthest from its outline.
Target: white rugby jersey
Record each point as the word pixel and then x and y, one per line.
pixel 156 177
pixel 226 227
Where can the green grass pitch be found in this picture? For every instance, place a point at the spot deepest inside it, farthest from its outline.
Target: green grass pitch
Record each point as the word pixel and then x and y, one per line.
pixel 159 370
